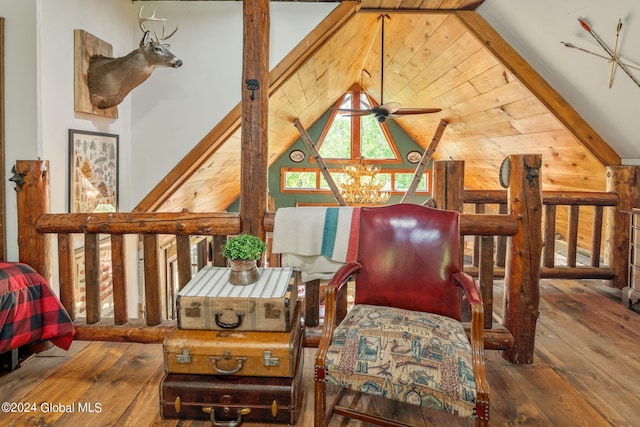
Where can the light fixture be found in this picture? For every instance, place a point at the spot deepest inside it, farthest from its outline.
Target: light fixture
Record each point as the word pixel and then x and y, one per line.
pixel 363 185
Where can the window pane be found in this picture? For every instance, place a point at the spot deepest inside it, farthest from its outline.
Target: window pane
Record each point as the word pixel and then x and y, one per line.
pixel 403 180
pixel 299 180
pixel 373 142
pixel 386 178
pixel 337 143
pixel 338 177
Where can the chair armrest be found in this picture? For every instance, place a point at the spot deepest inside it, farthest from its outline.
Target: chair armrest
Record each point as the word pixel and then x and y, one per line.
pixel 474 296
pixel 344 272
pixel 470 288
pixel 332 313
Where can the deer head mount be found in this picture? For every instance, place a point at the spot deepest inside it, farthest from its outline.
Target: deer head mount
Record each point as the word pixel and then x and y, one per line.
pixel 111 79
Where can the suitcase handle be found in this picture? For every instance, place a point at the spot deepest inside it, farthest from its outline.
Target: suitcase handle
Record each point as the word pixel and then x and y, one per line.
pixel 228 325
pixel 233 423
pixel 227 356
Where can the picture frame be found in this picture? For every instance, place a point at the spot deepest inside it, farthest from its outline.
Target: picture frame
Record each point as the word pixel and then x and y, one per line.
pixel 297 156
pixel 93 171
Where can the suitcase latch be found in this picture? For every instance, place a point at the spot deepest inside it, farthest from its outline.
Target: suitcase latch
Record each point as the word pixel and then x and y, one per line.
pixel 184 357
pixel 270 361
pixel 270 312
pixel 193 311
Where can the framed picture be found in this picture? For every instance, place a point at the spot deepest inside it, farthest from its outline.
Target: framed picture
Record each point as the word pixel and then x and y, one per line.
pixel 93 172
pixel 296 156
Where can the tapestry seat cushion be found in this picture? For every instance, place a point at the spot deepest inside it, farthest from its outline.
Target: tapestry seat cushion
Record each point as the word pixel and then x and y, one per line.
pixel 419 358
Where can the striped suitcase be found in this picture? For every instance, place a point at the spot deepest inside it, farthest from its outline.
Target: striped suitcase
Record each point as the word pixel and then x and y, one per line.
pixel 210 302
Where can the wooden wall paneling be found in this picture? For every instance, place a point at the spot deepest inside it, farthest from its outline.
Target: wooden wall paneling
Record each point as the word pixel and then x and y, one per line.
pixel 516 64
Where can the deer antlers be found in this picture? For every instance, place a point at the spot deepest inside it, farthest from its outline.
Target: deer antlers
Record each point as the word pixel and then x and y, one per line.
pixel 153 18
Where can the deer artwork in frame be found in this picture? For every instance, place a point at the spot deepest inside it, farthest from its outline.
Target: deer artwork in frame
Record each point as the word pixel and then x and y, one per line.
pixel 102 82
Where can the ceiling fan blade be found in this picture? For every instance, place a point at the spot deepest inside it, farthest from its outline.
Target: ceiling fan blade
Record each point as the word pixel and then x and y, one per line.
pixel 353 112
pixel 408 111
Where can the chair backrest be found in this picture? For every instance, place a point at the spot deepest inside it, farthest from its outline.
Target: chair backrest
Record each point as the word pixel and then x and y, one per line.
pixel 408 255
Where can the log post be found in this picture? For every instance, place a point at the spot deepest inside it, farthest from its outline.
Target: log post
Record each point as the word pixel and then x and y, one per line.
pixel 152 282
pixel 92 272
pixel 622 180
pixel 255 110
pixel 218 260
pixel 119 276
pixel 33 200
pixel 448 193
pixel 66 274
pixel 522 270
pixel 501 245
pixel 549 251
pixel 448 184
pixel 183 255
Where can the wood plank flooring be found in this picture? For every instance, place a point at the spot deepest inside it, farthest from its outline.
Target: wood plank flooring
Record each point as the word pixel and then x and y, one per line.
pixel 586 373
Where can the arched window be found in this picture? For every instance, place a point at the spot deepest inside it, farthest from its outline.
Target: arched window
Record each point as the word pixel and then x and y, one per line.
pixel 348 137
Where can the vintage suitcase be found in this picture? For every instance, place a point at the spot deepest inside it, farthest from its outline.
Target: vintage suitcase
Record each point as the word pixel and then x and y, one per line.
pixel 246 353
pixel 229 400
pixel 210 302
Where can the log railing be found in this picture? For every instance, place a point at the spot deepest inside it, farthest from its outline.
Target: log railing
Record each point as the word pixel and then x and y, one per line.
pixel 518 222
pixel 480 201
pixel 149 226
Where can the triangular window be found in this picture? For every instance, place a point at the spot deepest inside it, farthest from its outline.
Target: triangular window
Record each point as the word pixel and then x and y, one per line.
pixel 349 137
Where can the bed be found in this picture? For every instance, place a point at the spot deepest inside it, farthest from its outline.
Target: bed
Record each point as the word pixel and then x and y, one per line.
pixel 29 310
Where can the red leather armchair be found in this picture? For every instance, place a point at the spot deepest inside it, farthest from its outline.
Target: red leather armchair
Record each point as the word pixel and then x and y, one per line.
pixel 403 339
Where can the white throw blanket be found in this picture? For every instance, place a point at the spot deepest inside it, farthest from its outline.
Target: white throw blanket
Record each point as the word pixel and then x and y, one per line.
pixel 316 240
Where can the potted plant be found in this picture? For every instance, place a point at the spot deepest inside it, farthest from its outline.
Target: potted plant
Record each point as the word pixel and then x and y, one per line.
pixel 242 253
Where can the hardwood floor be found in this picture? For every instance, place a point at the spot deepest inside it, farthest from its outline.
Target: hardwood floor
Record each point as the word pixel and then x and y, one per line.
pixel 585 374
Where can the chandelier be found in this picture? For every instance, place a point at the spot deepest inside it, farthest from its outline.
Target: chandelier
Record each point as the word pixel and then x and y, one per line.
pixel 363 185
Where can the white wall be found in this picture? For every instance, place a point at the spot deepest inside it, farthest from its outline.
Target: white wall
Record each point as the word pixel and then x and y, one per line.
pixel 108 20
pixel 176 108
pixel 21 103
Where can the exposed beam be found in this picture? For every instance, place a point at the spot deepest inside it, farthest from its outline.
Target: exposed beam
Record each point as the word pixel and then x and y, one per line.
pixel 255 117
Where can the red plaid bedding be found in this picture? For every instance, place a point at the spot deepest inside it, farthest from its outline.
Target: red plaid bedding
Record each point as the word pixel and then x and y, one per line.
pixel 29 310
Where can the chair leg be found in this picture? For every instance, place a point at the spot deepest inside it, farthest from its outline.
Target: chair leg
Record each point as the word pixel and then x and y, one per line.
pixel 482 414
pixel 320 402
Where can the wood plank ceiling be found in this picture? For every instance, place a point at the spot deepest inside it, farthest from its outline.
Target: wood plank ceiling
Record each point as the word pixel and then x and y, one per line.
pixel 436 55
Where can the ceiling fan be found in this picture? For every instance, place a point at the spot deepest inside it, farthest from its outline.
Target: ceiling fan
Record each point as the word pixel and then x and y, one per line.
pixel 387 110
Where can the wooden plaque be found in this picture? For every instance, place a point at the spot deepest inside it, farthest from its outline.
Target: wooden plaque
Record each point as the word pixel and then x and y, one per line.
pixel 85 46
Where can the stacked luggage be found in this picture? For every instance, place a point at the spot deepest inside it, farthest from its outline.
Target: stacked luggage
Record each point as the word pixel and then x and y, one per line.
pixel 237 352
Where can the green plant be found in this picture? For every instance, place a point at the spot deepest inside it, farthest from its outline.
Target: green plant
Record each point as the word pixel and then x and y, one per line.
pixel 244 247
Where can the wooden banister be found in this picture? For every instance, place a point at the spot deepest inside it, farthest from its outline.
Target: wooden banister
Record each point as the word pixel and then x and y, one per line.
pixel 178 223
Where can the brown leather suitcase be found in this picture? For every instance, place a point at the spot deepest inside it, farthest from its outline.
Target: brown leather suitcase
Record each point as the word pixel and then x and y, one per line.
pixel 245 353
pixel 230 400
pixel 210 302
